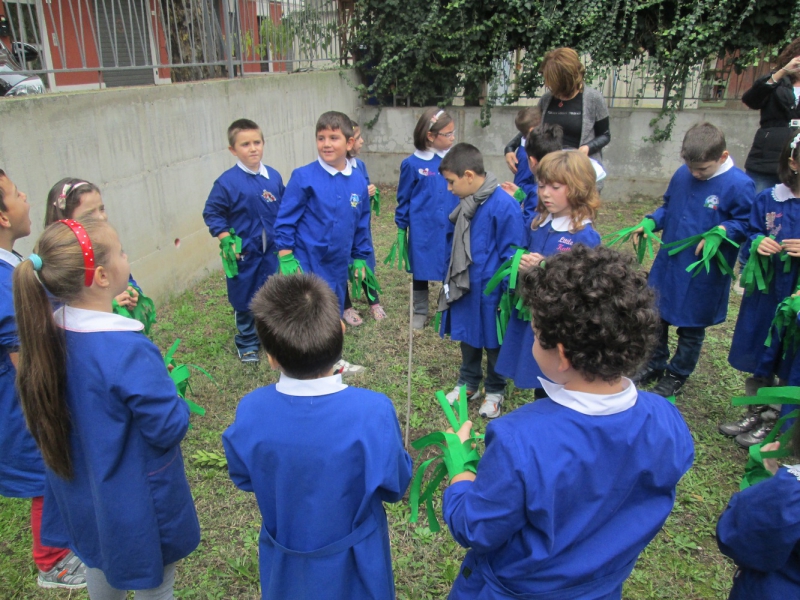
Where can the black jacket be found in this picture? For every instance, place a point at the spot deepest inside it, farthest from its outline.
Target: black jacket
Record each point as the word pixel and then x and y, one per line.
pixel 778 106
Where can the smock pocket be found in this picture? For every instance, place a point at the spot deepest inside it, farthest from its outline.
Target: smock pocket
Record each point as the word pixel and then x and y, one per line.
pixel 174 509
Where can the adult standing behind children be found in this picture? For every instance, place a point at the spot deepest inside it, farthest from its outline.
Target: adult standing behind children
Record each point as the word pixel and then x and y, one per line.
pixel 580 110
pixel 323 221
pixel 245 200
pixel 572 487
pixel 777 97
pixel 707 193
pixel 423 204
pixel 321 457
pixel 21 467
pixel 488 229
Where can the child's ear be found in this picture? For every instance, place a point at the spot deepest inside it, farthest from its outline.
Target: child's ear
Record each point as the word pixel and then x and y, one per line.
pixel 232 151
pixel 564 363
pixel 533 163
pixel 4 221
pixel 273 364
pixel 469 175
pixel 350 143
pixel 101 277
pixel 724 157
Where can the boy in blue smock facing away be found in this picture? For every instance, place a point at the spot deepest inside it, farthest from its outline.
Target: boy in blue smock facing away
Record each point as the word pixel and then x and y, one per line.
pixel 323 221
pixel 245 198
pixel 572 487
pixel 321 457
pixel 488 230
pixel 707 192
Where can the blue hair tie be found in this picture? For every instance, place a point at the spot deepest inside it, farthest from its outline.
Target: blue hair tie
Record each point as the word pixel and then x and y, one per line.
pixel 37 261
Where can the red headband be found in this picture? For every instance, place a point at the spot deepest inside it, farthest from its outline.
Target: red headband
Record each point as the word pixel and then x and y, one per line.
pixel 86 246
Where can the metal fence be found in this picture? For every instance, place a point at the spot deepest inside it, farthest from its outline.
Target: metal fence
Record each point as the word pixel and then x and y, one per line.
pixel 128 42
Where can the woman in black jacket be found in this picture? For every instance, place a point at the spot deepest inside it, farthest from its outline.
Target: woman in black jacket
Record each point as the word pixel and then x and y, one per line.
pixel 776 96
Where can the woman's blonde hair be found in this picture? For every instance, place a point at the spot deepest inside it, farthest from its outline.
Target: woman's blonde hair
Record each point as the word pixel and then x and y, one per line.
pixel 574 170
pixel 41 376
pixel 563 72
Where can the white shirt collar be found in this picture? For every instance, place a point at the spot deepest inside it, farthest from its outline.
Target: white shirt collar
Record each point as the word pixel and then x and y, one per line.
pixel 90 321
pixel 262 170
pixel 561 223
pixel 10 257
pixel 321 386
pixel 429 154
pixel 724 167
pixel 781 193
pixel 348 168
pixel 352 162
pixel 596 405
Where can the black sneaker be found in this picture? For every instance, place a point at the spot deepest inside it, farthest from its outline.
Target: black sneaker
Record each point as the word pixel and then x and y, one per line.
pixel 669 385
pixel 756 436
pixel 646 376
pixel 750 421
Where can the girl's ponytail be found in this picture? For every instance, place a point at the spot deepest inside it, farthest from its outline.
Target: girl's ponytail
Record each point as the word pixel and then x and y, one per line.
pixel 41 373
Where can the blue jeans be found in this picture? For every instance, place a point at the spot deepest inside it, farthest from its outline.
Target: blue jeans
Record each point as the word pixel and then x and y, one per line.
pixel 763 180
pixel 246 339
pixel 690 341
pixel 471 372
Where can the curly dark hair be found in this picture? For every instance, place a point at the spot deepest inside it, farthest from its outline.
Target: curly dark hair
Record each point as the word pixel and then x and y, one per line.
pixel 597 304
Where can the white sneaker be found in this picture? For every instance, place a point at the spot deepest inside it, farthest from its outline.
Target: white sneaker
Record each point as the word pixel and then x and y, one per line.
pixel 453 396
pixel 490 409
pixel 345 368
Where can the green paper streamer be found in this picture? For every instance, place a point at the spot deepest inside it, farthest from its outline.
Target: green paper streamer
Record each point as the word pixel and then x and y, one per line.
pixel 785 323
pixel 519 195
pixel 399 251
pixel 229 247
pixel 758 271
pixel 713 240
pixel 644 244
pixel 180 375
pixel 144 311
pixel 437 321
pixel 376 202
pixel 456 457
pixel 288 264
pixel 354 272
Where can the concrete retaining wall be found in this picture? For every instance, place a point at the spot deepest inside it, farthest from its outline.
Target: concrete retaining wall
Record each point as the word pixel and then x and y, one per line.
pixel 635 168
pixel 155 152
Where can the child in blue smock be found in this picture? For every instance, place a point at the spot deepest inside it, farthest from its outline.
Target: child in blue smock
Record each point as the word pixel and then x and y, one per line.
pixel 105 415
pixel 488 230
pixel 568 203
pixel 705 193
pixel 321 457
pixel 246 198
pixel 21 466
pixel 524 184
pixel 350 315
pixel 760 531
pixel 776 216
pixel 571 488
pixel 423 205
pixel 323 221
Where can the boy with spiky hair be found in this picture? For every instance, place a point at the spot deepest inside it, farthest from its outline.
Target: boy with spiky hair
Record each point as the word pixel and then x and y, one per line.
pixel 572 487
pixel 321 457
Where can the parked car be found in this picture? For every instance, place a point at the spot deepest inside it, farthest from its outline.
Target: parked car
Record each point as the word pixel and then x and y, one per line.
pixel 12 82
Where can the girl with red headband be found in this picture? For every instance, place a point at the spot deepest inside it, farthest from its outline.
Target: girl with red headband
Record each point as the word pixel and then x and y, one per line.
pixel 423 205
pixel 105 415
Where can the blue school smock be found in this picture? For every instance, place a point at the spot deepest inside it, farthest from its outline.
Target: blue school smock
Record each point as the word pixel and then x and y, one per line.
pixel 249 204
pixel 760 531
pixel 21 466
pixel 321 458
pixel 691 207
pixel 569 491
pixel 423 205
pixel 516 359
pixel 324 220
pixel 526 180
pixel 359 165
pixel 775 212
pixel 127 510
pixel 495 234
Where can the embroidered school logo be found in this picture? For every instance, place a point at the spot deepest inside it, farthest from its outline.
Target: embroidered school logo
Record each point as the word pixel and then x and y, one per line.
pixel 427 172
pixel 712 202
pixel 770 222
pixel 566 241
pixel 268 196
pixel 355 200
pixel 795 470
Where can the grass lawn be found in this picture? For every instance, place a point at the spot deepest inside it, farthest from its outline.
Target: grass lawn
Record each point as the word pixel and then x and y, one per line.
pixel 682 562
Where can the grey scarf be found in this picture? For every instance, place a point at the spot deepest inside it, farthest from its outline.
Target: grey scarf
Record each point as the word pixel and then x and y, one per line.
pixel 456 282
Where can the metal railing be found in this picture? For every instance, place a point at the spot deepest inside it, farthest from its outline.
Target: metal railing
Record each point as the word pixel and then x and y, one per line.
pixel 124 42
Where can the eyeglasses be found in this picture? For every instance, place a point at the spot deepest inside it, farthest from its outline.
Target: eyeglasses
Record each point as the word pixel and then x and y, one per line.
pixel 449 135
